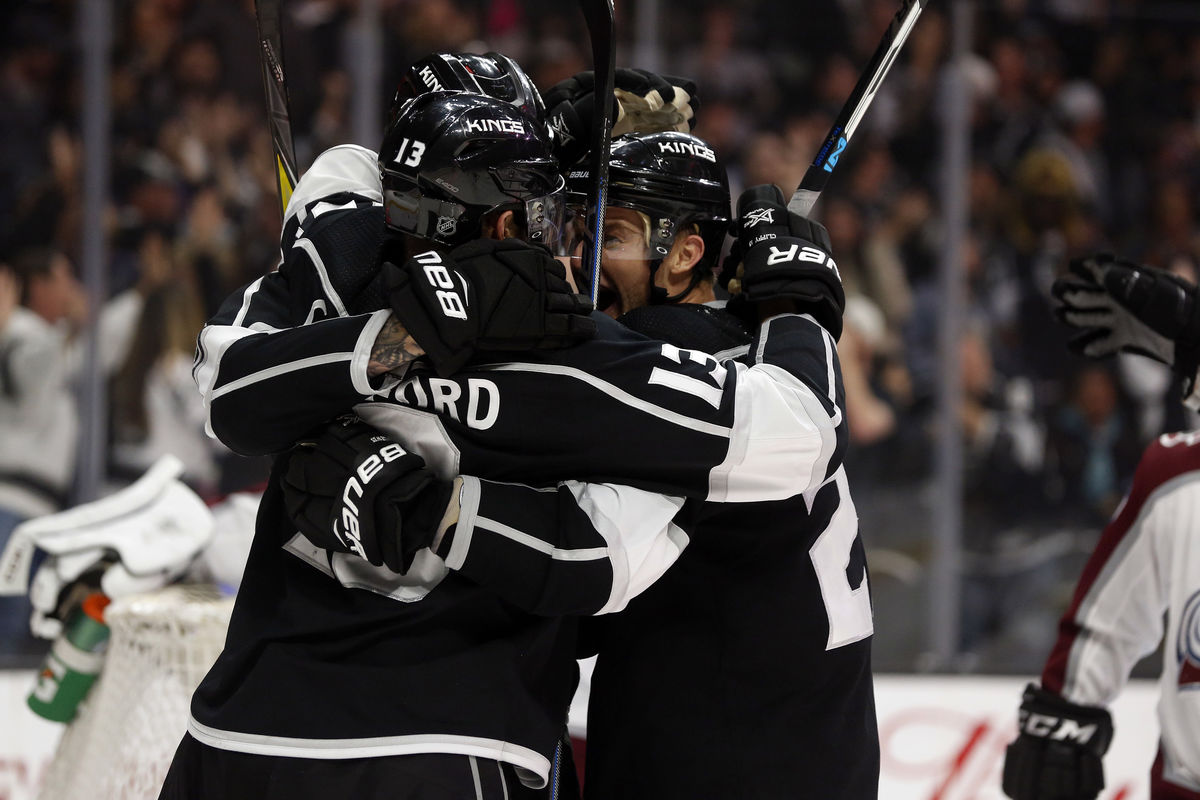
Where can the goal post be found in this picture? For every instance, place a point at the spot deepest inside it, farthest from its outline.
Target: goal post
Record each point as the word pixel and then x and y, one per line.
pixel 161 645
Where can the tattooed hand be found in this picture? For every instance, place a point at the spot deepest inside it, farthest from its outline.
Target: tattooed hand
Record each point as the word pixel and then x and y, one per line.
pixel 393 351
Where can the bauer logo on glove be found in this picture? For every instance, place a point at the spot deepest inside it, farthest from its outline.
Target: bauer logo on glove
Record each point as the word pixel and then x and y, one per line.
pixel 346 527
pixel 452 304
pixel 497 295
pixel 782 256
pixel 796 252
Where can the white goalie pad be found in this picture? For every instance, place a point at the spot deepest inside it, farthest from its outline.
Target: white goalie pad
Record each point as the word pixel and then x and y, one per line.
pixel 154 528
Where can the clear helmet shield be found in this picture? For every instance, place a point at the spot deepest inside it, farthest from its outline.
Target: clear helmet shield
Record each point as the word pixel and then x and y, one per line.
pixel 624 260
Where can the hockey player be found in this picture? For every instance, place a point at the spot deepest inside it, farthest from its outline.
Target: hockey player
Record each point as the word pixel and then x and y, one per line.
pixel 1146 563
pixel 734 692
pixel 713 727
pixel 334 669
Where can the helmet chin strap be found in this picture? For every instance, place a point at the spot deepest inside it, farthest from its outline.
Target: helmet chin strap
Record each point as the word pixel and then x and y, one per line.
pixel 659 296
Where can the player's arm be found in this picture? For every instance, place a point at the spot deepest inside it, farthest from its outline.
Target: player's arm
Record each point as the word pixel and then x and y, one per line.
pixel 266 383
pixel 789 421
pixel 1115 618
pixel 283 353
pixel 575 548
pixel 288 352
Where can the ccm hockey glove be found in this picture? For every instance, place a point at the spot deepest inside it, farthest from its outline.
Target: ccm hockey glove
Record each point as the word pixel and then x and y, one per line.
pixel 486 295
pixel 644 101
pixel 1120 306
pixel 351 489
pixel 1057 753
pixel 780 255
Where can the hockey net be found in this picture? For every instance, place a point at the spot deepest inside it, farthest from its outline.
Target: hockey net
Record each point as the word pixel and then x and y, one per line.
pixel 120 745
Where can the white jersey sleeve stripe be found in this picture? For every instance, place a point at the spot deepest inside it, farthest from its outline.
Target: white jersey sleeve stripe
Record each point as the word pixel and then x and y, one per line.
pixel 534 543
pixel 323 273
pixel 830 349
pixel 282 369
pixel 212 343
pixel 616 393
pixel 247 297
pixel 361 358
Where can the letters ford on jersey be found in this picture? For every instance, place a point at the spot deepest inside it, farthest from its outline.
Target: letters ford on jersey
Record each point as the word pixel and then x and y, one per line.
pixel 445 396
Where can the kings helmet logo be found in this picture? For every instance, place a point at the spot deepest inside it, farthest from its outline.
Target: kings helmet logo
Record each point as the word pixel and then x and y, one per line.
pixel 494 126
pixel 430 80
pixel 694 149
pixel 1187 644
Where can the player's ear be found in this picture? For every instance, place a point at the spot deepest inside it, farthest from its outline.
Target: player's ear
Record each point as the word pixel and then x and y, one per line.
pixel 507 227
pixel 496 225
pixel 686 253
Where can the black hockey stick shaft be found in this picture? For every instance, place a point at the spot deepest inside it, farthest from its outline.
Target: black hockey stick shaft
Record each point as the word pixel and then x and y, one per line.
pixel 805 196
pixel 270 54
pixel 601 24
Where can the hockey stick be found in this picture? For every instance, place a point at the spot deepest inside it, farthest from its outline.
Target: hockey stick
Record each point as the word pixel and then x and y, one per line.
pixel 601 26
pixel 852 112
pixel 270 53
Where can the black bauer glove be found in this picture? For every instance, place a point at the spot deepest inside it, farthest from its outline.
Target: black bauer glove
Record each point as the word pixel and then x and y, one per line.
pixel 644 101
pixel 486 295
pixel 781 255
pixel 1120 306
pixel 351 489
pixel 1058 752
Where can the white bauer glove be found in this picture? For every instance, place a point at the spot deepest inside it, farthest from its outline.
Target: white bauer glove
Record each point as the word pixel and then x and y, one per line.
pixel 135 540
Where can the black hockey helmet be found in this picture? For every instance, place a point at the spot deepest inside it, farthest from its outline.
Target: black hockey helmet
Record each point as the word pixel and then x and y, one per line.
pixel 449 158
pixel 492 73
pixel 676 180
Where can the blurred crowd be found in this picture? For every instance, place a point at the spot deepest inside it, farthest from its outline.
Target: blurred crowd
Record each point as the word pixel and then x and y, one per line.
pixel 1085 135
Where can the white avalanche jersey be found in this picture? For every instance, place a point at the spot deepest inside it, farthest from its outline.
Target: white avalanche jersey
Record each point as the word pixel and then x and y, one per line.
pixel 1147 562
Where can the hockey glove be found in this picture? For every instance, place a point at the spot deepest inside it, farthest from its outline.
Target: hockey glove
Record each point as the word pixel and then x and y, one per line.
pixel 1122 306
pixel 351 489
pixel 780 255
pixel 1057 753
pixel 644 101
pixel 486 295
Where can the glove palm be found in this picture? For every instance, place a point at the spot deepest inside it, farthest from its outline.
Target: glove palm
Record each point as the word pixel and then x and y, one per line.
pixel 1120 306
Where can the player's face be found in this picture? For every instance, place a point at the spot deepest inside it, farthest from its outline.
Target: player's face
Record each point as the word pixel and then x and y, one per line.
pixel 624 261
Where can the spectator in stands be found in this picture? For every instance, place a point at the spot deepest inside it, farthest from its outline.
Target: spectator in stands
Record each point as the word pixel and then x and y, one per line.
pixel 1093 446
pixel 41 303
pixel 155 407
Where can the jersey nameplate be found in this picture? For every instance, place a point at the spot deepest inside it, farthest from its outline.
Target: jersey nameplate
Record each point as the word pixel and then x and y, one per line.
pixel 478 410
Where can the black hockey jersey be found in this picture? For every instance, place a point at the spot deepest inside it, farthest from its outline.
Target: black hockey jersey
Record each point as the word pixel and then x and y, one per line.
pixel 330 657
pixel 745 671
